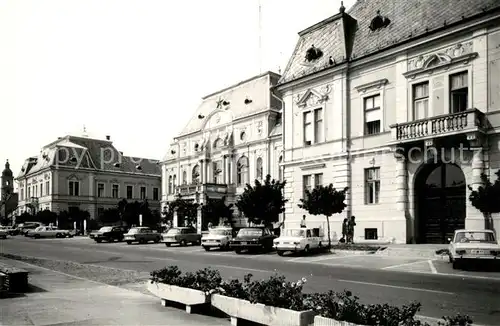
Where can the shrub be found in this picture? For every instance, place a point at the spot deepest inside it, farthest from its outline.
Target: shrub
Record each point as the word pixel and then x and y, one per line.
pixel 457 320
pixel 204 280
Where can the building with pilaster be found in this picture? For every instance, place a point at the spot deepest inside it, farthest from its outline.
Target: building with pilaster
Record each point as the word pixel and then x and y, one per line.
pixel 85 173
pixel 399 101
pixel 233 138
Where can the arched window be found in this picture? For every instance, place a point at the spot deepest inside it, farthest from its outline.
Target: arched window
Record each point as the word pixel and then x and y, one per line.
pixel 242 171
pixel 218 143
pixel 280 169
pixel 196 174
pixel 184 178
pixel 174 182
pixel 259 169
pixel 170 184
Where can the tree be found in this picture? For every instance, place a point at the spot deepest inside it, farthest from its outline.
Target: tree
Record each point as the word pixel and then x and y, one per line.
pixel 214 209
pixel 324 200
pixel 486 198
pixel 24 217
pixel 46 217
pixel 263 202
pixel 109 216
pixel 187 209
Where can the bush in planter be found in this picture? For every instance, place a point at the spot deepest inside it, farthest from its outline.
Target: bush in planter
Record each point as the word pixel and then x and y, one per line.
pixel 204 280
pixel 457 320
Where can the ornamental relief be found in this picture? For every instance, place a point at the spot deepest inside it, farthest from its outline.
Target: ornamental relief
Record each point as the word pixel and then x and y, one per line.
pixel 444 55
pixel 313 97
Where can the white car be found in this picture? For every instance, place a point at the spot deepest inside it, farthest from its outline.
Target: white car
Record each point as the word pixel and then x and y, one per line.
pixel 218 237
pixel 473 245
pixel 49 232
pixel 299 240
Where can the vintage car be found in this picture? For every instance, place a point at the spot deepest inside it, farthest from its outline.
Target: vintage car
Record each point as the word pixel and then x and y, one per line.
pixel 142 235
pixel 181 236
pixel 48 232
pixel 218 237
pixel 26 227
pixel 470 246
pixel 253 239
pixel 109 234
pixel 301 240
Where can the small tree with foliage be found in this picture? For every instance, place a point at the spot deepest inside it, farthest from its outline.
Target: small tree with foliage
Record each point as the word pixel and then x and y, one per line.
pixel 46 216
pixel 109 216
pixel 487 198
pixel 187 209
pixel 214 209
pixel 263 202
pixel 324 200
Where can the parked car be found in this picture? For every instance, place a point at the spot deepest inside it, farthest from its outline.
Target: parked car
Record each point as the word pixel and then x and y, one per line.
pixel 109 234
pixel 253 239
pixel 3 232
pixel 182 236
pixel 303 240
pixel 48 232
pixel 469 246
pixel 13 230
pixel 142 235
pixel 218 237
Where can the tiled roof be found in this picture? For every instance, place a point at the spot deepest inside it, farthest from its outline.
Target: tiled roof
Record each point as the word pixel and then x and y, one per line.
pixel 82 152
pixel 256 89
pixel 410 19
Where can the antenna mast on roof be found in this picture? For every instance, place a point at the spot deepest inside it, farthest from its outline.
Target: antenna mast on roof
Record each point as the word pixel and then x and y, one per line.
pixel 260 37
pixel 84 134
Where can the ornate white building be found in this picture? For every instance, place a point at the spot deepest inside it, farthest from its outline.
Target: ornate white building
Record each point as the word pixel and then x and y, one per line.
pixel 399 101
pixel 233 138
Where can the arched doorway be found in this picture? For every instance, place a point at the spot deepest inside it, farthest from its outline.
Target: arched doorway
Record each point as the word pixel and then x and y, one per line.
pixel 440 202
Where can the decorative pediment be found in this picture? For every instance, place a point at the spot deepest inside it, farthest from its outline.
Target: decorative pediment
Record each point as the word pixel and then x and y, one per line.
pixel 114 181
pixel 459 53
pixel 377 84
pixel 74 177
pixel 311 98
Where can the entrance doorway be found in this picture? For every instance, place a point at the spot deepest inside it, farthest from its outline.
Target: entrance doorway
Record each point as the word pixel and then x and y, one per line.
pixel 440 202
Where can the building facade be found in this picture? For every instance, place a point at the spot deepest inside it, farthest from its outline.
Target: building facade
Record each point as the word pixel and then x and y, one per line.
pixel 8 198
pixel 233 138
pixel 398 101
pixel 89 174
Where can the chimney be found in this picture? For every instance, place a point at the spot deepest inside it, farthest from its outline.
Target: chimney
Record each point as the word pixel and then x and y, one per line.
pixel 108 137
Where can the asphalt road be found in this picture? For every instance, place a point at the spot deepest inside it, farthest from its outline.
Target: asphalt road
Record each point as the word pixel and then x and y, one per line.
pixel 393 280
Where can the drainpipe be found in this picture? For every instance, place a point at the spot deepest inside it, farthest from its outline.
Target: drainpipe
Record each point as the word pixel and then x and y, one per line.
pixel 282 139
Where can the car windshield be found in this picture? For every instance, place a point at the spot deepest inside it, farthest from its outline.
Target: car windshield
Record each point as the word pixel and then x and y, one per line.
pixel 174 231
pixel 105 229
pixel 476 236
pixel 219 232
pixel 250 232
pixel 295 233
pixel 40 228
pixel 134 230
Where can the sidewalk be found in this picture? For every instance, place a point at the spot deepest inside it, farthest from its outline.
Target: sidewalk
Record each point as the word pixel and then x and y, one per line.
pixel 60 299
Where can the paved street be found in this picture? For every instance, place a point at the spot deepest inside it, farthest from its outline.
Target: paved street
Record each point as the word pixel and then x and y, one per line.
pixel 375 279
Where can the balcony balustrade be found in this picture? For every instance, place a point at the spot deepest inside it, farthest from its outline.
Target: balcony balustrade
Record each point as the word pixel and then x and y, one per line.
pixel 443 125
pixel 191 189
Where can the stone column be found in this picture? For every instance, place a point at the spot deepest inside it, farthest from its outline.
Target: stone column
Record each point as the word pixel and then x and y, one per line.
pixel 401 184
pixel 208 175
pixel 224 169
pixel 474 218
pixel 175 222
pixel 202 172
pixel 230 178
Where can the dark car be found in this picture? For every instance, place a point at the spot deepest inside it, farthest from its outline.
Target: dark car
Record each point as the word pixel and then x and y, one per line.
pixel 109 234
pixel 253 239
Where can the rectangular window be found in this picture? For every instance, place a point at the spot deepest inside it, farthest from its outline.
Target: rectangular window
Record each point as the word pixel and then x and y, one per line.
pixel 318 179
pixel 318 125
pixel 307 184
pixel 47 188
pixel 308 128
pixel 130 192
pixel 29 193
pixel 35 190
pixel 459 92
pixel 143 193
pixel 21 194
pixel 100 190
pixel 156 194
pixel 421 101
pixel 217 166
pixel 74 188
pixel 100 211
pixel 41 189
pixel 371 234
pixel 115 191
pixel 373 114
pixel 372 185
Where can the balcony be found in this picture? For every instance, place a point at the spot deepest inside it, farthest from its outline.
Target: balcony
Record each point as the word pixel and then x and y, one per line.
pixel 207 188
pixel 467 121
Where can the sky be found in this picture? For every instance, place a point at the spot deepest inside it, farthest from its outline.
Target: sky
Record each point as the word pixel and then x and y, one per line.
pixel 132 69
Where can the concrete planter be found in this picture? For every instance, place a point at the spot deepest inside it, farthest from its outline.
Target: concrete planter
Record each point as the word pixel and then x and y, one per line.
pixel 259 313
pixel 323 321
pixel 186 296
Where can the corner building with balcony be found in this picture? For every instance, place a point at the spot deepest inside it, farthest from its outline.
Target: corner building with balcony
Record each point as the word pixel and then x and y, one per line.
pixel 78 172
pixel 233 138
pixel 399 101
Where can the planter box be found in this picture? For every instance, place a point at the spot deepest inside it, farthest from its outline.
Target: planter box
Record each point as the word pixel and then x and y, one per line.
pixel 323 321
pixel 186 296
pixel 259 313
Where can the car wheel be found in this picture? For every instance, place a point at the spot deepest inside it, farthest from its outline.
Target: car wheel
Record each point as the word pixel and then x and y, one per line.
pixel 206 248
pixel 4 237
pixel 129 242
pixel 280 253
pixel 157 240
pixel 450 258
pixel 182 243
pixel 456 264
pixel 197 243
pixel 98 241
pixel 142 241
pixel 167 244
pixel 306 250
pixel 36 236
pixel 59 235
pixel 238 251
